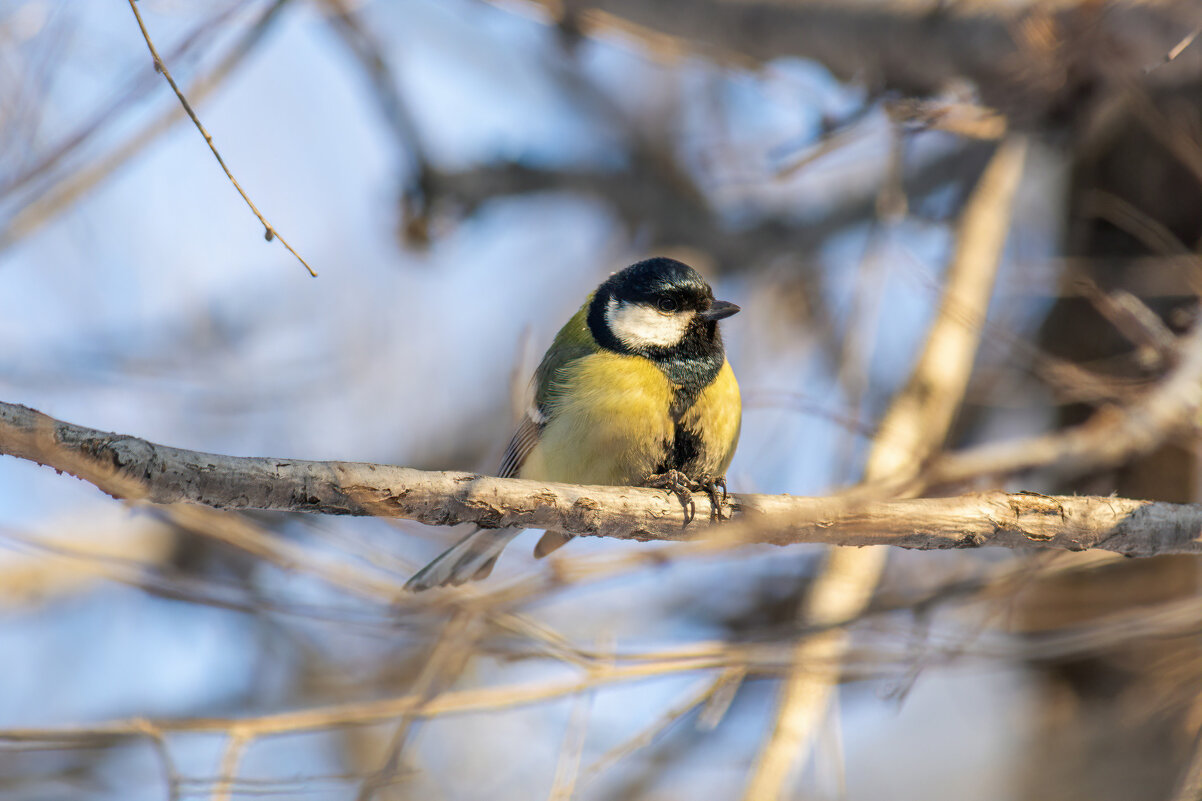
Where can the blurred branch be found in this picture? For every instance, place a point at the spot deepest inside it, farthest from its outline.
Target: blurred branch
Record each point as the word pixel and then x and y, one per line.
pixel 447 659
pixel 963 119
pixel 171 772
pixel 916 425
pixel 1027 58
pixel 198 38
pixel 372 57
pixel 53 197
pixel 269 232
pixel 381 710
pixel 1112 436
pixel 1189 787
pixel 235 747
pixel 650 201
pixel 131 468
pixel 141 543
pixel 709 690
pixel 1177 50
pixel 1179 619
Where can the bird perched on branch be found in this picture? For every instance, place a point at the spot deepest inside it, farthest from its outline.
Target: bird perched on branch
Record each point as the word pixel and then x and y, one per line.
pixel 635 390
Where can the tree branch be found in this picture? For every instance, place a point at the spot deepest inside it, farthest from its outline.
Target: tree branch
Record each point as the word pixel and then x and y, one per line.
pixel 269 231
pixel 135 469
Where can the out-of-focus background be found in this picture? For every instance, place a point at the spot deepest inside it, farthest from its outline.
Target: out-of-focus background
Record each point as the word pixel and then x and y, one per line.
pixel 461 174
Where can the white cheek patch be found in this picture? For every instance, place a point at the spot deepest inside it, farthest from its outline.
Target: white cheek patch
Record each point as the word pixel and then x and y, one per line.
pixel 639 326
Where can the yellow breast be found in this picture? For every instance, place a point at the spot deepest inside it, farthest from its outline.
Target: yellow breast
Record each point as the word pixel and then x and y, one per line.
pixel 608 424
pixel 717 417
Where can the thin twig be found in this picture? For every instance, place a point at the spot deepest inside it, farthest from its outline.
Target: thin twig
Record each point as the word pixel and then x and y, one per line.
pixel 705 691
pixel 443 666
pixel 567 767
pixel 1177 619
pixel 1176 50
pixel 52 198
pixel 228 772
pixel 170 772
pixel 269 232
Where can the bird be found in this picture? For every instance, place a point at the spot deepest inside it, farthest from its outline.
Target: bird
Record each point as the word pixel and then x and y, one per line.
pixel 635 390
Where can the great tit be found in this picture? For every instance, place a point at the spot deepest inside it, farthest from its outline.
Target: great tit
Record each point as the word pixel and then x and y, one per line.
pixel 635 390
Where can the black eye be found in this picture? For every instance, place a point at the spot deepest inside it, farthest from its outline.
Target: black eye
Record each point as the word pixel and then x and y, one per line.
pixel 667 304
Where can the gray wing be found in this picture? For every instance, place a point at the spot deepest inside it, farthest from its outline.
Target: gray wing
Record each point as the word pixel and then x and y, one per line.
pixel 473 557
pixel 572 342
pixel 470 559
pixel 524 440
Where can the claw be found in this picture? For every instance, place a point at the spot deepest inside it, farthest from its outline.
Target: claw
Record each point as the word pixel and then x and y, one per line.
pixel 680 485
pixel 710 485
pixel 683 488
pixel 720 481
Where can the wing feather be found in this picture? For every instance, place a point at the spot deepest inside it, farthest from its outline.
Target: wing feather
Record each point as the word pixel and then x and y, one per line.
pixel 524 440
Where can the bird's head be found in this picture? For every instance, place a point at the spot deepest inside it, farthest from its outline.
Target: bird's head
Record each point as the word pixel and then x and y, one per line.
pixel 656 307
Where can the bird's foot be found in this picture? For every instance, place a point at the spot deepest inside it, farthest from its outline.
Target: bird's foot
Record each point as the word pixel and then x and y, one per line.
pixel 679 485
pixel 683 488
pixel 711 485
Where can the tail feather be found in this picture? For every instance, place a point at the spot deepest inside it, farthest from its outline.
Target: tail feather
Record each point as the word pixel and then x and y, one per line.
pixel 470 559
pixel 551 541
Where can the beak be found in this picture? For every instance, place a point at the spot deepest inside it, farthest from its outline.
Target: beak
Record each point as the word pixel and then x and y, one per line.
pixel 719 311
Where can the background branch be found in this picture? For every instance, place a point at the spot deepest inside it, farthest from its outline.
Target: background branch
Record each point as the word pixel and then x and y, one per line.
pixel 916 425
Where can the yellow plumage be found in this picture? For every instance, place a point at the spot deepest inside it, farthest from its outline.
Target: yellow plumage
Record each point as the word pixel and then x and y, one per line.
pixel 610 423
pixel 718 416
pixel 635 388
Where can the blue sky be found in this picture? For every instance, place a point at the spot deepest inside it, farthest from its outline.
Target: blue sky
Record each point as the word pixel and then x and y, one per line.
pixel 154 307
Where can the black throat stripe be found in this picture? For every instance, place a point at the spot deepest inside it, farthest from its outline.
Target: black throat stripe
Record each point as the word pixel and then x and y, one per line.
pixel 691 365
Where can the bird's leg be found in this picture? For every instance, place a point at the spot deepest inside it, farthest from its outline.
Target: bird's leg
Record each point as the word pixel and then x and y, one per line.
pixel 711 484
pixel 679 485
pixel 551 540
pixel 683 488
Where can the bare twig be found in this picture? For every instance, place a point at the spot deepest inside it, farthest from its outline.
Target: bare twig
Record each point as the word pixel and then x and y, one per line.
pixel 1177 619
pixel 198 38
pixel 443 666
pixel 269 232
pixel 51 198
pixel 510 696
pixel 567 767
pixel 1113 435
pixel 1177 49
pixel 1133 319
pixel 136 469
pixel 170 772
pixel 227 773
pixel 704 691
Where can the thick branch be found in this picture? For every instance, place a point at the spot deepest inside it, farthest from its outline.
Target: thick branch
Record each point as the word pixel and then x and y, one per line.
pixel 127 467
